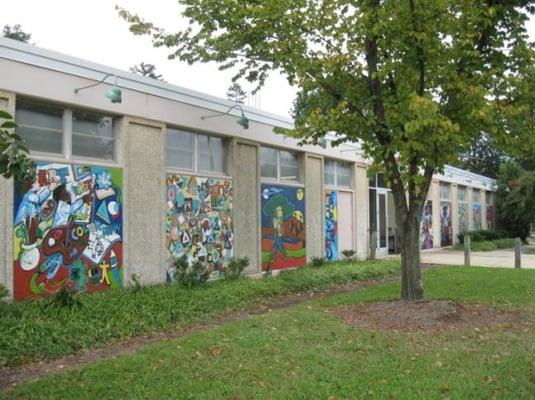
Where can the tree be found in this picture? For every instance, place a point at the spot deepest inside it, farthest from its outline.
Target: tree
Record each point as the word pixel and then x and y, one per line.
pixel 236 94
pixel 483 157
pixel 14 160
pixel 413 81
pixel 15 32
pixel 148 70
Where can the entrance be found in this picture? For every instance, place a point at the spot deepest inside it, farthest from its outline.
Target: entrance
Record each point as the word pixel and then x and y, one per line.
pixel 379 219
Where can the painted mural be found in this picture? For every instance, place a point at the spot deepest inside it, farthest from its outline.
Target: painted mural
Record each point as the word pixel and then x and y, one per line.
pixel 446 228
pixel 476 216
pixel 199 220
pixel 462 220
pixel 426 226
pixel 490 216
pixel 331 225
pixel 68 229
pixel 283 227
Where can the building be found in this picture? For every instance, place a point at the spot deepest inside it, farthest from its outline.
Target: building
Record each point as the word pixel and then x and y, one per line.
pixel 123 187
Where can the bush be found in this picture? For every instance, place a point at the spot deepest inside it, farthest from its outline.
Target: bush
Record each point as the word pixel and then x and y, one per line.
pixel 235 268
pixel 65 298
pixel 484 246
pixel 348 254
pixel 505 243
pixel 316 262
pixel 480 236
pixel 192 275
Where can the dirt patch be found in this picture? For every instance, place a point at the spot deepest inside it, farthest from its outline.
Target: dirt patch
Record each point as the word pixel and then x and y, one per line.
pixel 431 316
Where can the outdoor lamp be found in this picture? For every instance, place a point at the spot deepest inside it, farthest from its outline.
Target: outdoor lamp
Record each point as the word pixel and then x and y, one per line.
pixel 243 121
pixel 114 94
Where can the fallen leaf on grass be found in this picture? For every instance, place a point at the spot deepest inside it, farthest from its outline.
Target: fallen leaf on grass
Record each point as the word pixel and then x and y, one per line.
pixel 216 351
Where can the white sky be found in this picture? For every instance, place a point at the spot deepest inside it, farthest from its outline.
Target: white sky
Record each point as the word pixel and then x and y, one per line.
pixel 92 30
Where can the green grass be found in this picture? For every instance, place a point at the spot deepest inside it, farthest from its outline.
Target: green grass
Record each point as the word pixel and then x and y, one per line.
pixel 528 250
pixel 32 330
pixel 307 353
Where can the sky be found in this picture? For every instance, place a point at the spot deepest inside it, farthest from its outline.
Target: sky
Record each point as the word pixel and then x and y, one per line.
pixel 93 31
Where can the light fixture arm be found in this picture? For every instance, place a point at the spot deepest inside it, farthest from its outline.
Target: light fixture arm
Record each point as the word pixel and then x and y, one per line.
pixel 96 84
pixel 225 113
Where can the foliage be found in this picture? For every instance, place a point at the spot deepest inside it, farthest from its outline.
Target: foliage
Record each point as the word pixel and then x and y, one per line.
pixel 309 341
pixel 484 157
pixel 14 159
pixel 236 94
pixel 66 297
pixel 488 245
pixel 506 243
pixel 515 200
pixel 235 268
pixel 135 283
pixel 479 236
pixel 317 262
pixel 348 254
pixel 30 330
pixel 190 275
pixel 15 32
pixel 414 82
pixel 147 70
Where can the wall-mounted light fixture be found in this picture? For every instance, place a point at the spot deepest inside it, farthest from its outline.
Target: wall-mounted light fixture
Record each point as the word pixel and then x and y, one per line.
pixel 114 94
pixel 243 121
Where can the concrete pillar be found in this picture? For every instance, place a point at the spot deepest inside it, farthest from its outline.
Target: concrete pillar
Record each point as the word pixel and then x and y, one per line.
pixel 434 196
pixel 143 150
pixel 483 200
pixel 470 204
pixel 455 213
pixel 7 103
pixel 314 206
pixel 362 218
pixel 246 172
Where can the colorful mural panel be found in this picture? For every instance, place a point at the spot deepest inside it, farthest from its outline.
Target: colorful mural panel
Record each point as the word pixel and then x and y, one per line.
pixel 476 216
pixel 426 226
pixel 462 218
pixel 331 225
pixel 68 230
pixel 446 228
pixel 283 227
pixel 199 220
pixel 490 216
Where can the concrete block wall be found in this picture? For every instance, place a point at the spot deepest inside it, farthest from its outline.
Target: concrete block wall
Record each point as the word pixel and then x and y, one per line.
pixel 454 213
pixel 314 206
pixel 434 196
pixel 362 216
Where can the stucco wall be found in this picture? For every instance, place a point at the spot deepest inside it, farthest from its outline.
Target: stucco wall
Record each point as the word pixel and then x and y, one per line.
pixel 454 213
pixel 144 186
pixel 314 206
pixel 434 196
pixel 247 203
pixel 361 212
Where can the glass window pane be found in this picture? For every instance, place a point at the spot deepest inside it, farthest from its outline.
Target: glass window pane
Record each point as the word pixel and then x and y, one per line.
pixel 179 149
pixel 343 174
pixel 211 154
pixel 488 198
pixel 268 160
pixel 40 125
pixel 444 191
pixel 461 193
pixel 289 166
pixel 93 135
pixel 328 172
pixel 476 198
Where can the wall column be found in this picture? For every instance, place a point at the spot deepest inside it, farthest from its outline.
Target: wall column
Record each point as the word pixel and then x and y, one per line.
pixel 314 206
pixel 454 213
pixel 362 218
pixel 434 196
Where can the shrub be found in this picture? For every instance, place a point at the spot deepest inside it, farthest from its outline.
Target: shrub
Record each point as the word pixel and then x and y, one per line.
pixel 484 246
pixel 135 283
pixel 192 275
pixel 348 254
pixel 480 236
pixel 505 243
pixel 235 268
pixel 65 298
pixel 316 262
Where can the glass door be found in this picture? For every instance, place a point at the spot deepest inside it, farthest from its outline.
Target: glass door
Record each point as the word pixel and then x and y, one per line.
pixel 382 222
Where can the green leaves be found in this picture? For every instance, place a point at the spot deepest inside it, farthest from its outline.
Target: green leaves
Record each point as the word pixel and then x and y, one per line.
pixel 14 159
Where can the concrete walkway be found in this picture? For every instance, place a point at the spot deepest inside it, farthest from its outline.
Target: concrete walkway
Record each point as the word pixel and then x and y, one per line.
pixel 498 258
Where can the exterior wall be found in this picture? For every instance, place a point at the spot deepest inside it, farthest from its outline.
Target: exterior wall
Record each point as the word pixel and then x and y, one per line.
pixel 246 172
pixel 434 196
pixel 144 187
pixel 314 206
pixel 454 213
pixel 7 103
pixel 362 217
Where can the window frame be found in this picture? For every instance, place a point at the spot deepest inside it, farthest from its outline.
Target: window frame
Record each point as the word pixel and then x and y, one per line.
pixel 278 178
pixel 336 184
pixel 66 154
pixel 195 157
pixel 440 192
pixel 465 189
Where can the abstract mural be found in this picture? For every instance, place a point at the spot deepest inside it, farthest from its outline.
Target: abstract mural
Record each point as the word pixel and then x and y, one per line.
pixel 199 220
pixel 490 217
pixel 476 216
pixel 446 229
pixel 331 225
pixel 283 227
pixel 462 218
pixel 426 226
pixel 68 229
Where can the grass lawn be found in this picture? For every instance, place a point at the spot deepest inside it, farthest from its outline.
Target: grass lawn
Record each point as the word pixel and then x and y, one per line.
pixel 34 330
pixel 306 352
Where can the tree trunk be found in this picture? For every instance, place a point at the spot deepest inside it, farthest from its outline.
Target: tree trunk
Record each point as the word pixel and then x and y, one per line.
pixel 411 278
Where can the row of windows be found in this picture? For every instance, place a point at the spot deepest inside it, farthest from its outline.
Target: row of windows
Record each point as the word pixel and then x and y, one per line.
pixel 55 130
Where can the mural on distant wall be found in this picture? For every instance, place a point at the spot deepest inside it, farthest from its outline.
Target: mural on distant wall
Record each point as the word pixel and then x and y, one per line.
pixel 476 216
pixel 283 227
pixel 68 230
pixel 462 220
pixel 199 220
pixel 426 226
pixel 331 225
pixel 446 229
pixel 490 216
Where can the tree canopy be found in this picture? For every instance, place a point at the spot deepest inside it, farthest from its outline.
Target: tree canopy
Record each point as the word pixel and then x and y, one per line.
pixel 14 160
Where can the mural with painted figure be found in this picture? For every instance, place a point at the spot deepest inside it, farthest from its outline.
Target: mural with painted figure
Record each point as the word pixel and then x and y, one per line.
pixel 331 225
pixel 476 216
pixel 446 228
pixel 283 227
pixel 490 216
pixel 199 221
pixel 426 226
pixel 67 230
pixel 462 218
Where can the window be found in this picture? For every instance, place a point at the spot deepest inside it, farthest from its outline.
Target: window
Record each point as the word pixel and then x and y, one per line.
pixel 48 128
pixel 378 180
pixel 337 173
pixel 444 191
pixel 488 198
pixel 279 165
pixel 461 194
pixel 476 196
pixel 193 152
